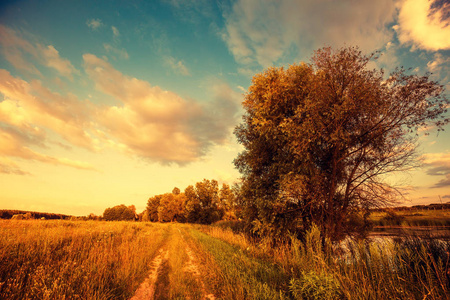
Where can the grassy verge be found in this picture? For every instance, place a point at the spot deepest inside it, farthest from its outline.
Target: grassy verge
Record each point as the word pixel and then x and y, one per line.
pixel 408 269
pixel 238 274
pixel 75 260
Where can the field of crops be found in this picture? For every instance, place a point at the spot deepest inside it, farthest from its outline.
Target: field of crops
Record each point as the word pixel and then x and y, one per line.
pixel 43 259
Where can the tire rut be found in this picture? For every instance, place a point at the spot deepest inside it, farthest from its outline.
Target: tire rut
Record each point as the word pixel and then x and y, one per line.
pixel 155 285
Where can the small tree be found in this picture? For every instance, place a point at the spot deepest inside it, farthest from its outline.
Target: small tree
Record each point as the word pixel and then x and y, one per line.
pixel 120 213
pixel 319 139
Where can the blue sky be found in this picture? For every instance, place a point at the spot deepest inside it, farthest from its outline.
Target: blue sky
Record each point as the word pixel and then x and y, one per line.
pixel 110 102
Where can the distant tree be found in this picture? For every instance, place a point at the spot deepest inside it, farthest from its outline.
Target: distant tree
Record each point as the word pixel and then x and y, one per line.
pixel 207 192
pixel 152 208
pixel 201 204
pixel 165 208
pixel 227 203
pixel 319 139
pixel 176 191
pixel 120 213
pixel 192 205
pixel 143 216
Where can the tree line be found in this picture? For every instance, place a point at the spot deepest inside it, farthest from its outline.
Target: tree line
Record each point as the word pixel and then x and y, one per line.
pixel 202 203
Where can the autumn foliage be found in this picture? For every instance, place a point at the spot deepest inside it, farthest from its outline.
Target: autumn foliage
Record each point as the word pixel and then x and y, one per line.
pixel 203 203
pixel 320 139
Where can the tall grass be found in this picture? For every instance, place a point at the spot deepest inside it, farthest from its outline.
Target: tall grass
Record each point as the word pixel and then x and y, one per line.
pixel 75 260
pixel 108 260
pixel 240 275
pixel 408 269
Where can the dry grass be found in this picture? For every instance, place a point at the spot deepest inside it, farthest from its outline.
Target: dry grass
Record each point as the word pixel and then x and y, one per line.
pixel 75 260
pixel 109 260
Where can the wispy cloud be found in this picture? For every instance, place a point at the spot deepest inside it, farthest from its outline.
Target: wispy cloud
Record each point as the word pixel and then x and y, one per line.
pixel 443 182
pixel 13 144
pixel 52 59
pixel 121 53
pixel 177 66
pixel 424 24
pixel 23 55
pixel 28 110
pixel 94 23
pixel 260 35
pixel 7 166
pixel 438 164
pixel 115 31
pixel 16 50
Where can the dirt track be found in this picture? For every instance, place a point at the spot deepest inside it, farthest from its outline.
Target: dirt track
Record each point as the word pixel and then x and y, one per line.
pixel 163 281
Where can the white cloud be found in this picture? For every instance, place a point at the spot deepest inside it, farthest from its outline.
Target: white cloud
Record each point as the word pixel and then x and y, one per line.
pixel 424 24
pixel 94 23
pixel 259 34
pixel 177 66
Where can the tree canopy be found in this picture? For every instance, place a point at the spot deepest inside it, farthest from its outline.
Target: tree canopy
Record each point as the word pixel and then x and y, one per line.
pixel 120 213
pixel 201 203
pixel 319 139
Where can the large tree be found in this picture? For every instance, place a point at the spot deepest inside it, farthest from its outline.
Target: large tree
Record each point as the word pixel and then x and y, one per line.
pixel 320 139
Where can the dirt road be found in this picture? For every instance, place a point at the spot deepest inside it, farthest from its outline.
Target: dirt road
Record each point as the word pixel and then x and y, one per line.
pixel 175 272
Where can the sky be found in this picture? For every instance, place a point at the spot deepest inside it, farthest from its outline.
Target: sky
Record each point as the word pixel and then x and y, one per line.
pixel 111 102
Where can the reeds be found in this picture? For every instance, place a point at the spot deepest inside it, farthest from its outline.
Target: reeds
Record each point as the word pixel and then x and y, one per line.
pixel 385 269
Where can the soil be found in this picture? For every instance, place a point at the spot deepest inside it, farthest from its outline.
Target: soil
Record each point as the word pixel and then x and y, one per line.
pixel 157 284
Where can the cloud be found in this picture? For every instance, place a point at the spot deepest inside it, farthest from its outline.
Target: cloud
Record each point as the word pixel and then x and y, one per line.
pixel 424 24
pixel 115 31
pixel 438 164
pixel 28 111
pixel 52 60
pixel 9 167
pixel 12 144
pixel 440 67
pixel 94 23
pixel 122 53
pixel 443 182
pixel 16 50
pixel 156 124
pixel 260 35
pixel 23 55
pixel 177 66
